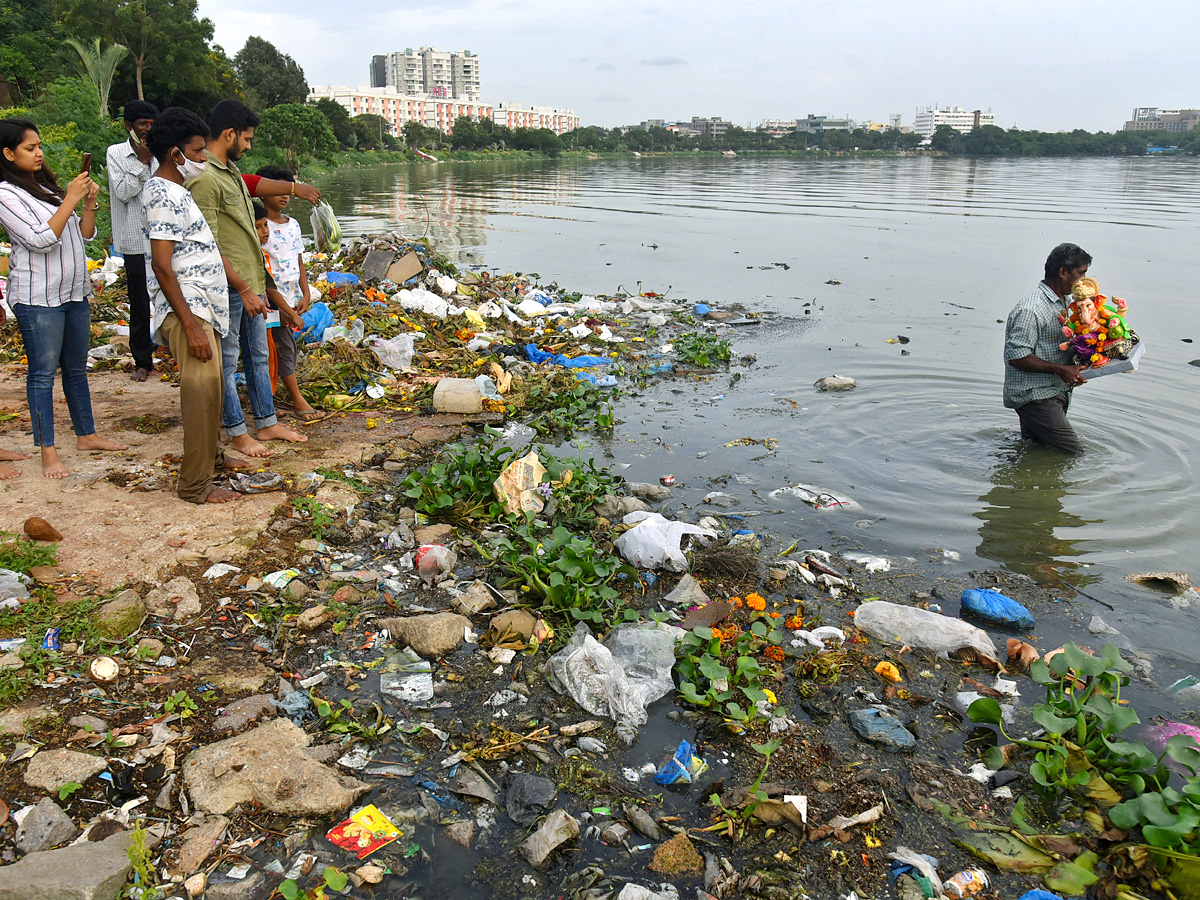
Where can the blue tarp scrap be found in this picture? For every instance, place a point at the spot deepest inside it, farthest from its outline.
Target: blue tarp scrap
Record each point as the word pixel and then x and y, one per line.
pixel 605 381
pixel 538 356
pixel 316 320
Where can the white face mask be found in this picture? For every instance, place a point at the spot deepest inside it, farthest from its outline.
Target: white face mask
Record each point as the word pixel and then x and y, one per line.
pixel 189 168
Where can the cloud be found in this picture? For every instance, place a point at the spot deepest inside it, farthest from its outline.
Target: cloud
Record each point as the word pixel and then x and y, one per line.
pixel 605 67
pixel 608 97
pixel 664 61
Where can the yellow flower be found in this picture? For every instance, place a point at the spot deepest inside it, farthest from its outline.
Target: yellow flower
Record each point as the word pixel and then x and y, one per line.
pixel 566 477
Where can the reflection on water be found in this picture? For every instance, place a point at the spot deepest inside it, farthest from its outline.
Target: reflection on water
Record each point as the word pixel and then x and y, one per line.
pixel 1023 519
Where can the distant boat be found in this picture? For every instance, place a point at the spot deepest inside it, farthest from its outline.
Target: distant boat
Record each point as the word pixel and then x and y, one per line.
pixel 728 154
pixel 426 156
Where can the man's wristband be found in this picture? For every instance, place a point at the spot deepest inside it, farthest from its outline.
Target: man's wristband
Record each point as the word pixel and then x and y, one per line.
pixel 293 189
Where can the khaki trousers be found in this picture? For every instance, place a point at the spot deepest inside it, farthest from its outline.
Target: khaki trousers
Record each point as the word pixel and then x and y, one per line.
pixel 201 386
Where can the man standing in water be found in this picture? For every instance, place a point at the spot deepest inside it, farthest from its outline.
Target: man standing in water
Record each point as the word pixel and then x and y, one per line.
pixel 1038 377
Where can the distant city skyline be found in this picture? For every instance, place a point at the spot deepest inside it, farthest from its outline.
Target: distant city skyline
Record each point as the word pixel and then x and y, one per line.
pixel 1038 66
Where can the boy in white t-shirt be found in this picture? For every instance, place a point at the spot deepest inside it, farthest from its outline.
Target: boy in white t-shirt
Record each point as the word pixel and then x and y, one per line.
pixel 284 247
pixel 189 299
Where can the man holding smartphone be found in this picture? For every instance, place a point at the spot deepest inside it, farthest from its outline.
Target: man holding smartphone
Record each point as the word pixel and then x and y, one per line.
pixel 130 165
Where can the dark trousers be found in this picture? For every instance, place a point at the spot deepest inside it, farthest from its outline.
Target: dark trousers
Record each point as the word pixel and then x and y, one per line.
pixel 140 342
pixel 1045 421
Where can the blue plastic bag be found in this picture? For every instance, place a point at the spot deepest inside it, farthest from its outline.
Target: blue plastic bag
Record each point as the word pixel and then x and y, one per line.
pixel 1037 894
pixel 682 768
pixel 538 356
pixel 702 309
pixel 992 606
pixel 341 278
pixel 316 320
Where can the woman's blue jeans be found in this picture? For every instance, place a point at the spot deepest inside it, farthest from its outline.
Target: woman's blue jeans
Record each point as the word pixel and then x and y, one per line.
pixel 57 336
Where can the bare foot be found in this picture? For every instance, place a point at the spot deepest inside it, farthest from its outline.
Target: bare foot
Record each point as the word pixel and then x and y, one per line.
pixel 7 472
pixel 248 446
pixel 9 456
pixel 231 463
pixel 280 432
pixel 95 442
pixel 221 495
pixel 141 375
pixel 307 413
pixel 52 466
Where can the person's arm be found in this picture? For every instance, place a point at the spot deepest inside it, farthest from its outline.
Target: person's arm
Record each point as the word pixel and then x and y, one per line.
pixel 272 187
pixel 91 203
pixel 126 178
pixel 302 306
pixel 251 302
pixel 286 313
pixel 1020 338
pixel 160 261
pixel 25 221
pixel 1033 363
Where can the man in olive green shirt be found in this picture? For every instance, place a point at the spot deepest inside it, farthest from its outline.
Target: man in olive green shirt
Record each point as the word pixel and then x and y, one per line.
pixel 224 200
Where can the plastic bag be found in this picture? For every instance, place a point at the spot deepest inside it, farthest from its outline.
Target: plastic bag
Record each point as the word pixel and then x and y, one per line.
pixel 992 606
pixel 327 233
pixel 318 318
pixel 529 797
pixel 653 542
pixel 921 628
pixel 13 587
pixel 435 563
pixel 516 488
pixel 683 767
pixel 621 677
pixel 394 353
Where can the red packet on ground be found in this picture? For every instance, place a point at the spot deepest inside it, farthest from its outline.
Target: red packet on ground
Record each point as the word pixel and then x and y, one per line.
pixel 364 832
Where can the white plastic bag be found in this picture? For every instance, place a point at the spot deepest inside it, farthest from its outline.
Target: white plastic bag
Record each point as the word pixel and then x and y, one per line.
pixel 653 542
pixel 395 353
pixel 13 588
pixel 619 682
pixel 327 233
pixel 921 628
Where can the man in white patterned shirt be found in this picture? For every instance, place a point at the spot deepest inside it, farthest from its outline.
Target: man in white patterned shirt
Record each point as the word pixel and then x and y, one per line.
pixel 130 165
pixel 190 299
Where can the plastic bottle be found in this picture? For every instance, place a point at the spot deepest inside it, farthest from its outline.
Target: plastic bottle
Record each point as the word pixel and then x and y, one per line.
pixel 966 883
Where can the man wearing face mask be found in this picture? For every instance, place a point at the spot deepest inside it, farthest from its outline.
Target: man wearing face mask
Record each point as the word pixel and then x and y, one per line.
pixel 189 299
pixel 130 166
pixel 224 200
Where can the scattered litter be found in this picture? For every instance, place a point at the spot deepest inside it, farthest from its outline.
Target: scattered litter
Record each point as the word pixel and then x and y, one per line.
pixel 994 607
pixel 922 629
pixel 364 832
pixel 684 767
pixel 654 541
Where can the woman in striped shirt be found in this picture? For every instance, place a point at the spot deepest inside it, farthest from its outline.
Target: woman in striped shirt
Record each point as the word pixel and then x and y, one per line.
pixel 48 285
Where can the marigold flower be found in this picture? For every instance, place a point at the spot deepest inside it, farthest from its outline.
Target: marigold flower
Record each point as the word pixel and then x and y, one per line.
pixel 794 623
pixel 755 602
pixel 775 654
pixel 774 615
pixel 735 602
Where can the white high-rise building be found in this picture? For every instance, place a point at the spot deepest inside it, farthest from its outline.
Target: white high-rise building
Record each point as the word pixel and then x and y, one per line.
pixel 961 120
pixel 428 71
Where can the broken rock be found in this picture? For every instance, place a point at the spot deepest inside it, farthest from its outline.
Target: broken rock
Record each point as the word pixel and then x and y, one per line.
pixel 677 857
pixel 199 843
pixel 89 871
pixel 475 600
pixel 176 599
pixel 267 766
pixel 240 713
pixel 430 635
pixel 45 826
pixel 462 833
pixel 51 769
pixel 121 616
pixel 314 617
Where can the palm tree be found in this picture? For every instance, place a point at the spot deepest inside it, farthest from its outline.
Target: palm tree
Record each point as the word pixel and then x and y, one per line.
pixel 99 67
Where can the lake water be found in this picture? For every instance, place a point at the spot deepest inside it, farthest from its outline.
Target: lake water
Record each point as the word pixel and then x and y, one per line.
pixel 936 250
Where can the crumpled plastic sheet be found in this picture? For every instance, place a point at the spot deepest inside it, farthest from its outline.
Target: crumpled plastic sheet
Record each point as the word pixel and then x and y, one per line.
pixel 620 677
pixel 653 542
pixel 297 706
pixel 538 356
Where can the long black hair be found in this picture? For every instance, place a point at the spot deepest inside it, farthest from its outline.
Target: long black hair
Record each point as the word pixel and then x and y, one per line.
pixel 41 184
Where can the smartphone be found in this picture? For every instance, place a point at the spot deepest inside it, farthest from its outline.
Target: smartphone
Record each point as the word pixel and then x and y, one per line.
pixel 87 163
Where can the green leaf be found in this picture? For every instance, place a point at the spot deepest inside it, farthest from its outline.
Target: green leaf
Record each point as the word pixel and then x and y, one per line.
pixel 759 628
pixel 336 879
pixel 1072 877
pixel 1182 748
pixel 1020 817
pixel 1053 724
pixel 993 758
pixel 702 631
pixel 985 711
pixel 768 748
pixel 691 695
pixel 1006 851
pixel 289 890
pixel 712 669
pixel 735 711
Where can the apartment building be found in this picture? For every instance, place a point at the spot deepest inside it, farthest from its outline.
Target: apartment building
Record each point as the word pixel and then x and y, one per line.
pixel 1151 118
pixel 811 124
pixel 398 109
pixel 453 75
pixel 514 116
pixel 961 120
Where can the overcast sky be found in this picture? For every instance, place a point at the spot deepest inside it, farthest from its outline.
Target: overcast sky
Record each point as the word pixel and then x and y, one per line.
pixel 1034 63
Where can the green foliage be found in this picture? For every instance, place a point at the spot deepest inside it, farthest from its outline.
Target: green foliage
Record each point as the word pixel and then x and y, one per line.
pixel 339 121
pixel 98 65
pixel 702 350
pixel 270 78
pixel 458 485
pixel 421 136
pixel 68 790
pixel 19 555
pixel 574 487
pixel 340 720
pixel 719 670
pixel 181 702
pixel 27 31
pixel 69 104
pixel 371 132
pixel 563 406
pixel 565 572
pixel 319 516
pixel 300 132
